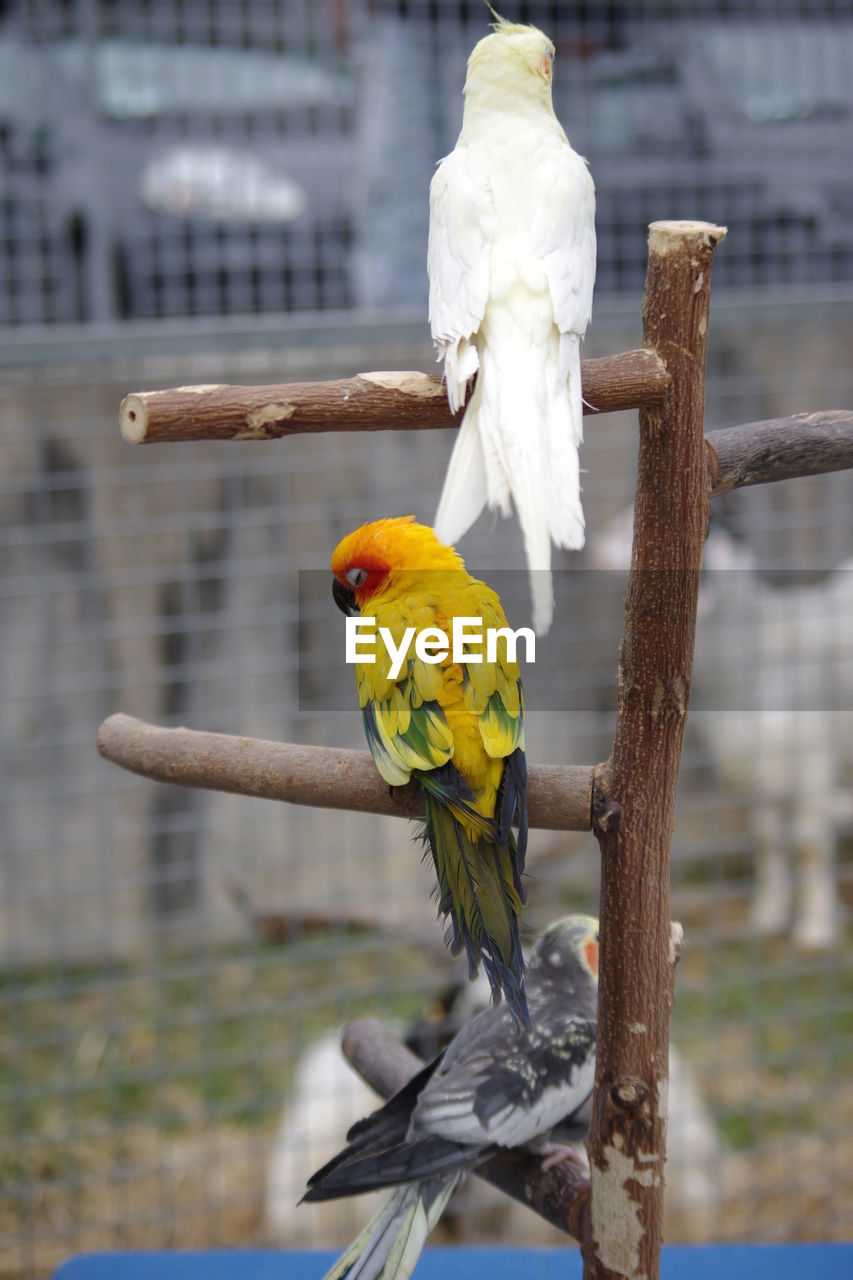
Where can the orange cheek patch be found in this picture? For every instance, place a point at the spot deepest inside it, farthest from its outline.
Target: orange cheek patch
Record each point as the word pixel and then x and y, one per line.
pixel 374 582
pixel 591 955
pixel 545 69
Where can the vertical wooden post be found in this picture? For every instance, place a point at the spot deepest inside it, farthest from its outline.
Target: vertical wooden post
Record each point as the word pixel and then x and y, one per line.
pixel 634 794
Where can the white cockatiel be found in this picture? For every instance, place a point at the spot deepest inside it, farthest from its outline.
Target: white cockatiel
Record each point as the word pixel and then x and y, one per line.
pixel 511 268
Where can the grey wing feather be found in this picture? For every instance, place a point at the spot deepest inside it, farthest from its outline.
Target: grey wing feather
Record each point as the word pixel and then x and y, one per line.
pixel 494 1086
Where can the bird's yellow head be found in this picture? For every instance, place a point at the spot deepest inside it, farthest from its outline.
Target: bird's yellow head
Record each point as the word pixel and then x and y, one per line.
pixel 513 59
pixel 366 561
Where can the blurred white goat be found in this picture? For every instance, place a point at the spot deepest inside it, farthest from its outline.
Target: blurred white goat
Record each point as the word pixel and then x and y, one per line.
pixel 773 695
pixel 325 1100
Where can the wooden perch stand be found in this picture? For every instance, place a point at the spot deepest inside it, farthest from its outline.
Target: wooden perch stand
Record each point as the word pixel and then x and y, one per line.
pixel 630 799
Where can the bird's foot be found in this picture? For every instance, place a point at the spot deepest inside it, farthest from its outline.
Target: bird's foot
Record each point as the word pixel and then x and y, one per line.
pixel 555 1153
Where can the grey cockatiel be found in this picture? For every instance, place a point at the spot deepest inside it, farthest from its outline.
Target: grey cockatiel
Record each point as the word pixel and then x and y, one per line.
pixel 495 1086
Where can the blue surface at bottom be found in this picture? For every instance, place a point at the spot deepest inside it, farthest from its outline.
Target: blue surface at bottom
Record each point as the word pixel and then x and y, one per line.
pixel 679 1262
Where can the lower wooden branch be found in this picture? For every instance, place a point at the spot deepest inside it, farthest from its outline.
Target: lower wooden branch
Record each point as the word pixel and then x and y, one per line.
pixel 556 1195
pixel 559 797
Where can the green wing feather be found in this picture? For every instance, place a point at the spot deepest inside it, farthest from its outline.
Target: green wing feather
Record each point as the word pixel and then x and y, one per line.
pixel 405 726
pixel 405 736
pixel 492 690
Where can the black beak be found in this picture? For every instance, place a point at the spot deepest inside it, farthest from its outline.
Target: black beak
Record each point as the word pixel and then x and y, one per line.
pixel 345 599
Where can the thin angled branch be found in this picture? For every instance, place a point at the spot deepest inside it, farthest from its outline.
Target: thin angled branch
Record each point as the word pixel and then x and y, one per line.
pixel 282 924
pixel 556 1195
pixel 559 797
pixel 806 444
pixel 396 400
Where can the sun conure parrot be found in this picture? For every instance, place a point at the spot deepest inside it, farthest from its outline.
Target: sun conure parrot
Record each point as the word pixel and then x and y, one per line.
pixel 457 728
pixel 511 263
pixel 491 1088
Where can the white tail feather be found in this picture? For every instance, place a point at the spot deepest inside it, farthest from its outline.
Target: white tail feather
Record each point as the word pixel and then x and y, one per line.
pixel 565 433
pixel 461 362
pixel 520 436
pixel 464 493
pixel 542 595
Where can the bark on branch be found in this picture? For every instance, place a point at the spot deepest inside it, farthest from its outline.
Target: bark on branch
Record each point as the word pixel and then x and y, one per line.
pixel 806 444
pixel 556 1195
pixel 559 797
pixel 754 453
pixel 635 791
pixel 396 400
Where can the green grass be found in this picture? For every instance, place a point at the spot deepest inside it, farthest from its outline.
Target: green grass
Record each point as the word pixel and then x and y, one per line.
pixel 768 1030
pixel 190 1038
pixel 183 1039
pixel 107 1075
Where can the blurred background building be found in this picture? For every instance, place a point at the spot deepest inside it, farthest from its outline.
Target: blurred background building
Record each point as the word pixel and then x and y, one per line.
pixel 235 190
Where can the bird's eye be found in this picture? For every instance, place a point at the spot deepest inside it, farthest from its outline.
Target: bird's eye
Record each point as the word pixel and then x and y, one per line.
pixel 355 577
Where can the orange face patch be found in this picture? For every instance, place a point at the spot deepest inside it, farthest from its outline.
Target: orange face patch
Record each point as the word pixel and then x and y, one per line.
pixel 590 951
pixel 545 68
pixel 377 571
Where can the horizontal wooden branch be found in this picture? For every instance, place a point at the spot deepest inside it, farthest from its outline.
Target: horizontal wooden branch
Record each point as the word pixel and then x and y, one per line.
pixel 559 796
pixel 806 444
pixel 556 1195
pixel 753 453
pixel 395 400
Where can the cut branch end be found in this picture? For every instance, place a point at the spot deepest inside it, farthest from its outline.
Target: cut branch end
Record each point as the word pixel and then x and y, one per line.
pixel 666 235
pixel 133 419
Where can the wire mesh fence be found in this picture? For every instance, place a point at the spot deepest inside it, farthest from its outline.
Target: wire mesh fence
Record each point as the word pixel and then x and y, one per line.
pixel 166 158
pixel 176 964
